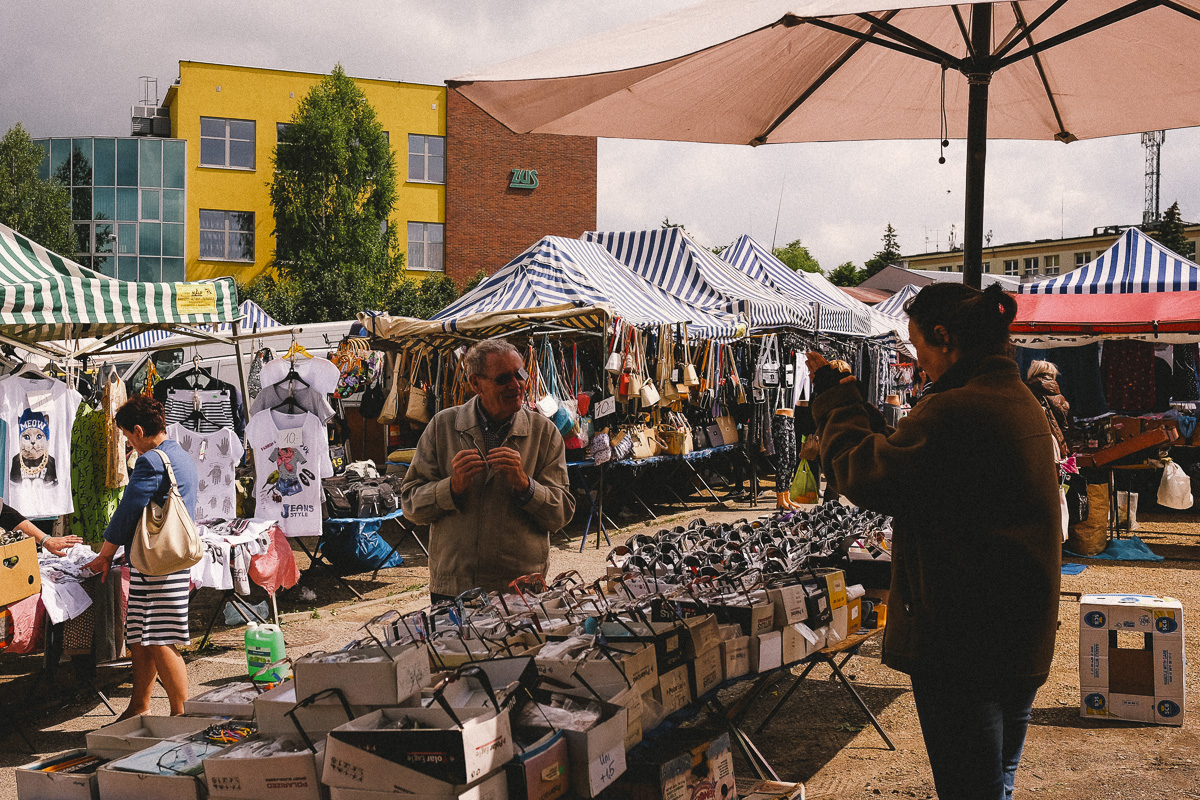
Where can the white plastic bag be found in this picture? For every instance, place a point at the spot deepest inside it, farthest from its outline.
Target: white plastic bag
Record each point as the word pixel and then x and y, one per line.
pixel 1175 489
pixel 1127 503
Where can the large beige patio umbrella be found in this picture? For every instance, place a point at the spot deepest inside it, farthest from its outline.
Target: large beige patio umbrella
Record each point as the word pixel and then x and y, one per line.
pixel 769 71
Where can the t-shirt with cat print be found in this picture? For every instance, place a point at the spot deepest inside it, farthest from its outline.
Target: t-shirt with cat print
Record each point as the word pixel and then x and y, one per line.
pixel 216 456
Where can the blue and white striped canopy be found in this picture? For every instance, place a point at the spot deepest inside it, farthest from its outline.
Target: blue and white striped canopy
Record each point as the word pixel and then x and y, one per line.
pixel 894 305
pixel 671 259
pixel 253 319
pixel 1135 264
pixel 557 271
pixel 834 310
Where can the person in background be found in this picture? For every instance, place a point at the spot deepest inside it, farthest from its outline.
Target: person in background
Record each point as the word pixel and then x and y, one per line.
pixel 1042 380
pixel 13 520
pixel 156 622
pixel 970 481
pixel 490 479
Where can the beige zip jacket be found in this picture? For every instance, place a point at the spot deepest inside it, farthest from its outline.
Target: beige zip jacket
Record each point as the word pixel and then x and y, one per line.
pixel 490 540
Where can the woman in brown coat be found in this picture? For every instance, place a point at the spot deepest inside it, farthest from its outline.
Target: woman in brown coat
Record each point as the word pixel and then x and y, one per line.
pixel 1042 380
pixel 970 481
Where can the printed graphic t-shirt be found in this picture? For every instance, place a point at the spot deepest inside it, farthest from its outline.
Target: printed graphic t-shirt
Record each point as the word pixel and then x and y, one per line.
pixel 216 456
pixel 40 413
pixel 291 456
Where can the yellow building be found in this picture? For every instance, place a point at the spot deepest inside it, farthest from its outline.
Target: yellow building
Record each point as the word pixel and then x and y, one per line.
pixel 231 117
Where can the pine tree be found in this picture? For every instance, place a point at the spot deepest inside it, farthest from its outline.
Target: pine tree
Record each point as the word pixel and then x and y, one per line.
pixel 890 254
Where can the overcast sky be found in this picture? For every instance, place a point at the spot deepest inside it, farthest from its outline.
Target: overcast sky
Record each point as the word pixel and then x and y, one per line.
pixel 70 68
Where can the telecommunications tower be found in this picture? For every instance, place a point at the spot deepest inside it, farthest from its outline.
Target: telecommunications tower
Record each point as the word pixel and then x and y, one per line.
pixel 1152 141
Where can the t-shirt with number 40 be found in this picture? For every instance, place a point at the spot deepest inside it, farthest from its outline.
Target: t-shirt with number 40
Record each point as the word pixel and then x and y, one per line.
pixel 291 456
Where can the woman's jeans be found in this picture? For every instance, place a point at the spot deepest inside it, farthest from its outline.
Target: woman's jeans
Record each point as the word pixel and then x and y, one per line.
pixel 974 734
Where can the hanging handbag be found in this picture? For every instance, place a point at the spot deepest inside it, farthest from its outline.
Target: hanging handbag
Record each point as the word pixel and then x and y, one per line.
pixel 622 445
pixel 601 448
pixel 615 359
pixel 810 450
pixel 417 409
pixel 766 371
pixel 645 445
pixel 372 401
pixel 165 540
pixel 397 396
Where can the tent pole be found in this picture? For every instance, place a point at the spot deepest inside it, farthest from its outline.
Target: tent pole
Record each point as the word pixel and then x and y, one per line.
pixel 237 349
pixel 978 76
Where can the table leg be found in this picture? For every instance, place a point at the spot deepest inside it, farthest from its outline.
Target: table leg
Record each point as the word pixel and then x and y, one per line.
pixel 861 703
pixel 786 695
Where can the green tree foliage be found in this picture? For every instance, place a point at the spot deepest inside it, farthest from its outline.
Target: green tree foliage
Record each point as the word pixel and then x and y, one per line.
pixel 666 223
pixel 890 254
pixel 423 298
pixel 475 280
pixel 1170 233
pixel 847 275
pixel 29 205
pixel 333 192
pixel 796 256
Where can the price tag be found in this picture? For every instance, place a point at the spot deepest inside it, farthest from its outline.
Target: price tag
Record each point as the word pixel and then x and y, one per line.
pixel 39 401
pixel 292 437
pixel 606 407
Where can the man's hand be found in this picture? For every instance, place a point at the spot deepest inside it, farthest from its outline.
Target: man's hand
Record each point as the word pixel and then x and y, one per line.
pixel 465 466
pixel 100 565
pixel 58 545
pixel 507 462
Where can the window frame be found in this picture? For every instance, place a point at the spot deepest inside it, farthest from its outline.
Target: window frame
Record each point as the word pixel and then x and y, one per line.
pixel 425 242
pixel 1030 265
pixel 227 140
pixel 425 155
pixel 1052 269
pixel 201 230
pixel 1012 266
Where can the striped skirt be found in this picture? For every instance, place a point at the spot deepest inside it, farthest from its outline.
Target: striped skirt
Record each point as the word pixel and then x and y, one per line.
pixel 158 608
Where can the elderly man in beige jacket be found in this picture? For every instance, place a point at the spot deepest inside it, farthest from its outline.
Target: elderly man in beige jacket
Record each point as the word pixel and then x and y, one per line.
pixel 490 479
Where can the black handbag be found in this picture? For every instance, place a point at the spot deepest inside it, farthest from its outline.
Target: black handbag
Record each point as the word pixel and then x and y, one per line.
pixel 1077 498
pixel 372 401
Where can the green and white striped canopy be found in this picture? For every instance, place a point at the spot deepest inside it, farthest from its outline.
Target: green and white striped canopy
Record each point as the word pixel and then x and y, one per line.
pixel 45 297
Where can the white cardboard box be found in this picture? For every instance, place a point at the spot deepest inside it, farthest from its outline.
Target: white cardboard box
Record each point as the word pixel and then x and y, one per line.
pixel 789 603
pixel 1105 705
pixel 294 776
pixel 433 760
pixel 703 634
pixel 635 664
pixel 318 719
pixel 119 739
pixel 366 683
pixel 735 656
pixel 493 787
pixel 798 642
pixel 34 784
pixel 1131 612
pixel 597 755
pixel 766 651
pixel 199 705
pixel 704 671
pixel 144 786
pixel 674 691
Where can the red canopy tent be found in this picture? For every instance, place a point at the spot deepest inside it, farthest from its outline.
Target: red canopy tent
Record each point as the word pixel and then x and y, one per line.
pixel 1167 317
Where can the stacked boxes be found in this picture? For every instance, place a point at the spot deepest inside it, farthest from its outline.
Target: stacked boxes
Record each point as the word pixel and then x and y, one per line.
pixel 1131 658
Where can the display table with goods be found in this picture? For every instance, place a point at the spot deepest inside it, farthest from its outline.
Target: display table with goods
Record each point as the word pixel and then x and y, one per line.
pixel 550 689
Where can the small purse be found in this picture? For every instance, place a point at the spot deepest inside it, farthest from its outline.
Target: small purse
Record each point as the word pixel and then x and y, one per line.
pixel 166 540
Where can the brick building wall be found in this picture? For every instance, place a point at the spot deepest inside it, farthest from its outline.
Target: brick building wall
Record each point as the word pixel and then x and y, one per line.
pixel 487 222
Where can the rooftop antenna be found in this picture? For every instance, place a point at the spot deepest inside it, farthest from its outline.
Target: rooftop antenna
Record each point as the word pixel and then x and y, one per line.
pixel 1153 142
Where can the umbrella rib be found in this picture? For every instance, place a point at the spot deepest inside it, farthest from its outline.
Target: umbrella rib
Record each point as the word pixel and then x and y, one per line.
pixel 1062 135
pixel 1015 36
pixel 905 37
pixel 1102 21
pixel 962 28
pixel 871 38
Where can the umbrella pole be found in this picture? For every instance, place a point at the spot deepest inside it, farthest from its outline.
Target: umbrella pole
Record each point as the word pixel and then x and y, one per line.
pixel 977 109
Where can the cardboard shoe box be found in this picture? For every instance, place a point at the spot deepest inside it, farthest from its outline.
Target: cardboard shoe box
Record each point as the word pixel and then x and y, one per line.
pixel 674 690
pixel 766 651
pixel 35 783
pixel 386 682
pixel 1132 664
pixel 289 776
pixel 19 573
pixel 493 787
pixel 704 672
pixel 541 772
pixel 317 719
pixel 790 604
pixel 624 664
pixel 735 657
pixel 119 739
pixel 373 753
pixel 798 642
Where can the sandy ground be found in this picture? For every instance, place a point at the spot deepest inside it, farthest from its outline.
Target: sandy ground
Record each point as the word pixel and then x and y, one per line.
pixel 822 738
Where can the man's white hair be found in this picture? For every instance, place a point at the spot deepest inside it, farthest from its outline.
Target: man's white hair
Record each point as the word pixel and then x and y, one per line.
pixel 476 358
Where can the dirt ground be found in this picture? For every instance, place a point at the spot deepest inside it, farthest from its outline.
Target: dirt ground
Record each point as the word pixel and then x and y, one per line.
pixel 821 738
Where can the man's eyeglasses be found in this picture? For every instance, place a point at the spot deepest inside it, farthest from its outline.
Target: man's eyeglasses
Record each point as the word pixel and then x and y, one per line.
pixel 505 378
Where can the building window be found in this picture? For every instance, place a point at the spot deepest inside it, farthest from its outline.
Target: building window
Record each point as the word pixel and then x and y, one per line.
pixel 943 269
pixel 426 158
pixel 1052 265
pixel 226 143
pixel 1031 266
pixel 426 248
pixel 1081 259
pixel 1010 266
pixel 227 235
pixel 987 267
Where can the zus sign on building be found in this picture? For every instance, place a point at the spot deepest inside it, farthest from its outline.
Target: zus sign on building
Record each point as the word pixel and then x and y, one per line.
pixel 523 179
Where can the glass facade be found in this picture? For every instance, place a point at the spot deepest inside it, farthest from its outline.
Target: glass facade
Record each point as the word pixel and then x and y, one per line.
pixel 128 203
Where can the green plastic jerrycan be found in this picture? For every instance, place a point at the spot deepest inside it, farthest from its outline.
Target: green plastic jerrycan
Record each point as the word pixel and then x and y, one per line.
pixel 264 646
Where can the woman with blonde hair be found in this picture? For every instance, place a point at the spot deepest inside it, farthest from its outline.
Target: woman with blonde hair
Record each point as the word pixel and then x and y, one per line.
pixel 1042 380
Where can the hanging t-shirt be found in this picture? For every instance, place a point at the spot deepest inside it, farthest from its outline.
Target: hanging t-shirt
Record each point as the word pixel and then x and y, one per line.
pixel 291 456
pixel 94 501
pixel 319 373
pixel 116 468
pixel 40 414
pixel 180 407
pixel 216 456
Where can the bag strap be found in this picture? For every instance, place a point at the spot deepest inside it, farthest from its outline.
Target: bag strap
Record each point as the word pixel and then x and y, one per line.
pixel 167 463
